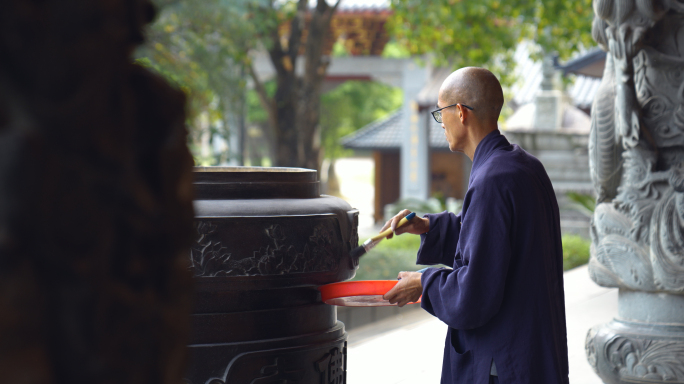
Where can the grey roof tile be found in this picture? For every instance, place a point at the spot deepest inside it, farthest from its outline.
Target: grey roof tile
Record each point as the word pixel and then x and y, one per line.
pixel 381 134
pixel 385 134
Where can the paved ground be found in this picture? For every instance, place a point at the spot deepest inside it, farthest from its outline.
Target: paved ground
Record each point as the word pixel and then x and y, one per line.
pixel 408 348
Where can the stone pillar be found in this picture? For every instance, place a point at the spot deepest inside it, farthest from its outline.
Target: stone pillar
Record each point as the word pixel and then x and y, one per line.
pixel 95 200
pixel 236 139
pixel 637 166
pixel 415 163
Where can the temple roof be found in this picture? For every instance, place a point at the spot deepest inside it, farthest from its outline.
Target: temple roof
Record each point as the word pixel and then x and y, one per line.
pixel 574 120
pixel 529 72
pixel 386 134
pixel 427 97
pixel 590 63
pixel 358 24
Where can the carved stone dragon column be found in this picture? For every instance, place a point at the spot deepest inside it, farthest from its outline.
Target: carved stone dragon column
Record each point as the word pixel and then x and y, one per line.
pixel 637 165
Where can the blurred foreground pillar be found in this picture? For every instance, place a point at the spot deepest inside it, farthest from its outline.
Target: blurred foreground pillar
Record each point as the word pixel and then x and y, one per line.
pixel 637 164
pixel 95 199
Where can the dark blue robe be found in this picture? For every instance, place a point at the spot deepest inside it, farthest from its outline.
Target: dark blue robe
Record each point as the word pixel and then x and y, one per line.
pixel 504 298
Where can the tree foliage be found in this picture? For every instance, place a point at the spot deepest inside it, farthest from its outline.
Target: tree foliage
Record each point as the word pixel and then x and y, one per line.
pixel 344 109
pixel 199 45
pixel 575 251
pixel 351 106
pixel 485 32
pixel 294 109
pixel 208 47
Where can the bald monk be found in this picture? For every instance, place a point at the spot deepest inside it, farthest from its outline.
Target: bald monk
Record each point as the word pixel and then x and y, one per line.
pixel 503 300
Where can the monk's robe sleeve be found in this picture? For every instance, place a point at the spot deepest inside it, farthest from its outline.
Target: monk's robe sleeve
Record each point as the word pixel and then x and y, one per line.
pixel 438 245
pixel 470 295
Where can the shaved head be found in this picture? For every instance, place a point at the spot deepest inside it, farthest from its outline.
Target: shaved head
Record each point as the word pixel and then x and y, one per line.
pixel 477 88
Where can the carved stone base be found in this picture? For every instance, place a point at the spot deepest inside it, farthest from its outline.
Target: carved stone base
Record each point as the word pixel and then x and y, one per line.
pixel 633 352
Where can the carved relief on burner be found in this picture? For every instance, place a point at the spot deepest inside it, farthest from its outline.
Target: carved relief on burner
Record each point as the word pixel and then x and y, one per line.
pixel 278 373
pixel 208 257
pixel 262 247
pixel 297 365
pixel 354 235
pixel 331 367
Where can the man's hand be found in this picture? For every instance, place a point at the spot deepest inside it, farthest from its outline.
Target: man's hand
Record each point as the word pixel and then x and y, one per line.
pixel 417 225
pixel 408 289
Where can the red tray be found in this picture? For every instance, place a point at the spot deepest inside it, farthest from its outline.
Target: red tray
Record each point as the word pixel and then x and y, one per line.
pixel 366 293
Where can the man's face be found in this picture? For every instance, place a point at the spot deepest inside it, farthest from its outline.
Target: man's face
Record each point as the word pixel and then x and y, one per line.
pixel 454 130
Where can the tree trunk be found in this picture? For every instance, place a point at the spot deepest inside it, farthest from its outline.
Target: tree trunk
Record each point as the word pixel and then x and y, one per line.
pixel 286 132
pixel 294 111
pixel 333 181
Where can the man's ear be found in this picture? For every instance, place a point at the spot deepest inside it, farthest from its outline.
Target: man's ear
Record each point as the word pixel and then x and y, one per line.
pixel 462 114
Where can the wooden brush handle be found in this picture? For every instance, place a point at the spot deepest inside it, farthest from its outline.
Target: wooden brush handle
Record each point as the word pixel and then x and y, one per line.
pixel 388 231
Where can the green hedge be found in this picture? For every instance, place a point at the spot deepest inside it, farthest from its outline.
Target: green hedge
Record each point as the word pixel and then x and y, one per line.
pixel 391 256
pixel 575 251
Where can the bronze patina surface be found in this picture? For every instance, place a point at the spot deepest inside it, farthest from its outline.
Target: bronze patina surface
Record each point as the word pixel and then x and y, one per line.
pixel 265 238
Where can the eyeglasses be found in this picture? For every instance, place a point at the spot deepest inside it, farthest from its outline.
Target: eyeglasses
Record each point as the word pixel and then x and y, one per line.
pixel 437 113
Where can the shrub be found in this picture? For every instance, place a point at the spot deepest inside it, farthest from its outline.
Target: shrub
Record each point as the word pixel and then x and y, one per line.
pixel 435 204
pixel 575 251
pixel 390 257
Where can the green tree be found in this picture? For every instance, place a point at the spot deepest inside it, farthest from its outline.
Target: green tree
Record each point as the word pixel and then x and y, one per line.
pixel 196 44
pixel 345 109
pixel 351 106
pixel 485 32
pixel 294 109
pixel 207 47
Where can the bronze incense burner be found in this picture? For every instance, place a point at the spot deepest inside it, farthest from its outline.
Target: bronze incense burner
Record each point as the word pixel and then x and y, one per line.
pixel 265 239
